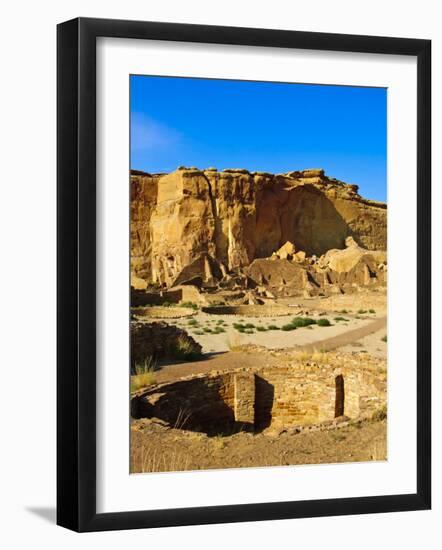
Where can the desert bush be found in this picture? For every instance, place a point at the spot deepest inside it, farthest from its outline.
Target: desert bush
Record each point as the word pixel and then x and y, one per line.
pixel 343 311
pixel 261 329
pixel 384 338
pixel 340 319
pixel 183 349
pixel 371 311
pixel 193 322
pixel 249 325
pixel 362 311
pixel 207 329
pixel 190 305
pixel 198 332
pixel 288 327
pixel 323 323
pixel 273 327
pixel 300 322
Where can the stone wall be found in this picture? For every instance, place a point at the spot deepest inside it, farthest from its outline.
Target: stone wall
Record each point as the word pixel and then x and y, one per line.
pixel 160 341
pixel 278 397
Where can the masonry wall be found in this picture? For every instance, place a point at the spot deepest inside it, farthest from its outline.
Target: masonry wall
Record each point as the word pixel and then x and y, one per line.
pixel 255 399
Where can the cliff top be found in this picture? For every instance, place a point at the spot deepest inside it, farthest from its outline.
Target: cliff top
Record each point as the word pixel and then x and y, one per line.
pixel 312 176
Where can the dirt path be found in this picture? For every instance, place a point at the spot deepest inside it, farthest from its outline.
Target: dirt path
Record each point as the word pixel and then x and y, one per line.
pixel 222 361
pixel 347 337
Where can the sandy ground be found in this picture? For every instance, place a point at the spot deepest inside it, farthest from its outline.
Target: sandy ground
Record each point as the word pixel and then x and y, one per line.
pixel 372 343
pixel 156 448
pixel 275 339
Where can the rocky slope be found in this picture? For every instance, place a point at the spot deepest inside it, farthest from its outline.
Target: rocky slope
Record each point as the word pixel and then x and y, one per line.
pixel 204 223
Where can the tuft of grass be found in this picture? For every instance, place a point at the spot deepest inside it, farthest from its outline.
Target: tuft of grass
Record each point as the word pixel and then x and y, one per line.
pixel 148 365
pixel 384 338
pixel 261 329
pixel 166 304
pixel 379 450
pixel 143 374
pixel 193 322
pixel 207 329
pixel 183 349
pixel 340 319
pixel 288 327
pixel 343 311
pixel 234 343
pixel 273 327
pixel 249 325
pixel 139 381
pixel 323 323
pixel 362 311
pixel 371 311
pixel 380 414
pixel 198 332
pixel 320 356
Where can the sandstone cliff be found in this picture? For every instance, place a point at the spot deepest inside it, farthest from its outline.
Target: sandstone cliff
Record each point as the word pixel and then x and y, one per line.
pixel 205 223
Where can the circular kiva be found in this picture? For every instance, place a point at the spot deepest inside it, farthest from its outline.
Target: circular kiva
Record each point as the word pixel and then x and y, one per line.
pixel 158 312
pixel 255 399
pixel 265 310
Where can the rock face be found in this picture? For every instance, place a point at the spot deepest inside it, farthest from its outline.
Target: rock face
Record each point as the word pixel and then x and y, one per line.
pixel 192 224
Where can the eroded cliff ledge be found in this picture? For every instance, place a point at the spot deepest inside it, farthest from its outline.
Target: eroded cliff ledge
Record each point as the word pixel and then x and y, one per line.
pixel 213 222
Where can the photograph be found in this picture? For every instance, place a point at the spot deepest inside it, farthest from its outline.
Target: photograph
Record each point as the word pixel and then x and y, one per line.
pixel 258 269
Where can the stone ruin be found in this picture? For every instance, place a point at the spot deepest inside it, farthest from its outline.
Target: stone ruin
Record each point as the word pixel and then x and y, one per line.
pixel 292 397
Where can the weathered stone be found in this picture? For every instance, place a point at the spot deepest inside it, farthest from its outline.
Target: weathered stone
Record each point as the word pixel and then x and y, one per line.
pixel 234 217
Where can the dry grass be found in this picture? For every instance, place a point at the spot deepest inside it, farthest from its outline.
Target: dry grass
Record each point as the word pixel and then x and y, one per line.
pixel 153 460
pixel 143 374
pixel 234 342
pixel 138 381
pixel 379 449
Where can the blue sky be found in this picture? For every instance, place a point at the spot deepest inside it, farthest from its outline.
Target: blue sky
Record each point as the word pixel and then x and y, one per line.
pixel 260 126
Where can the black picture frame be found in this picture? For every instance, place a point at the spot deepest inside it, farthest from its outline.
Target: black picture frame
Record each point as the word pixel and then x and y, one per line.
pixel 76 274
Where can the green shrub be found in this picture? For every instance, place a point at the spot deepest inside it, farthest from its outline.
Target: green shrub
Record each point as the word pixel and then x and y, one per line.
pixel 248 331
pixel 273 327
pixel 207 329
pixel 362 311
pixel 343 311
pixel 323 323
pixel 288 327
pixel 198 332
pixel 261 329
pixel 166 304
pixel 193 322
pixel 340 319
pixel 371 311
pixel 300 322
pixel 190 305
pixel 384 338
pixel 249 325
